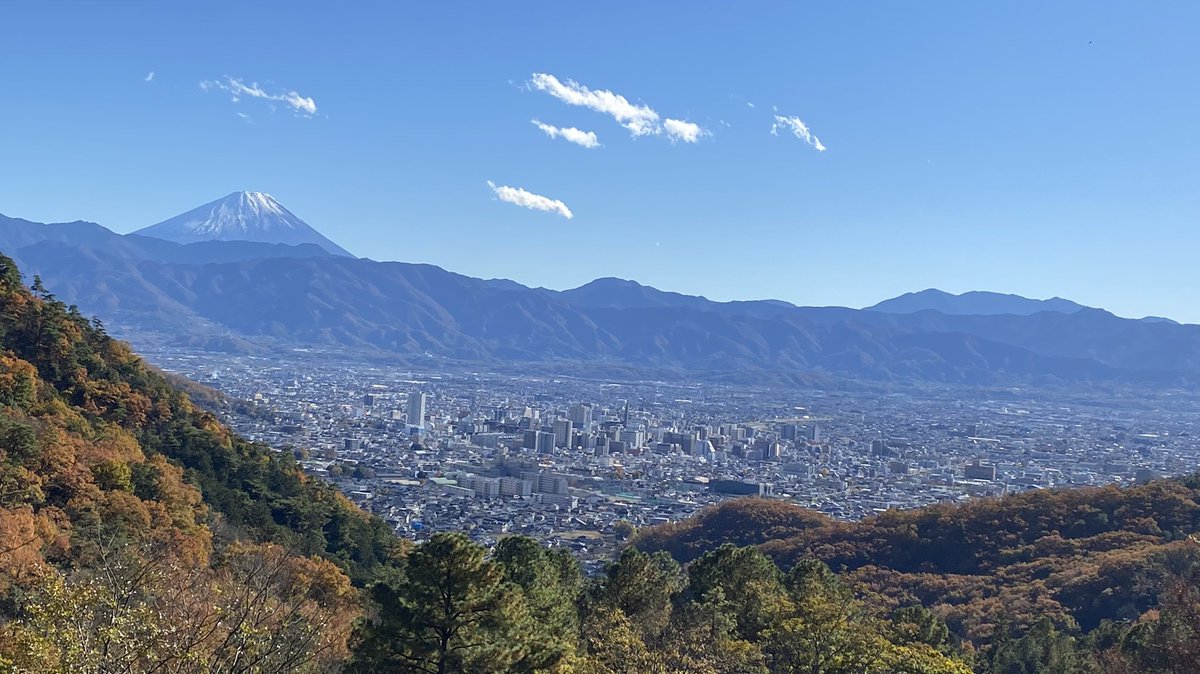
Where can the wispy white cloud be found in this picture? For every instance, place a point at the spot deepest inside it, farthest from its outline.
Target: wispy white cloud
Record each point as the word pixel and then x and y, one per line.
pixel 305 103
pixel 638 119
pixel 150 77
pixel 677 129
pixel 749 104
pixel 798 128
pixel 526 199
pixel 570 134
pixel 641 120
pixel 237 89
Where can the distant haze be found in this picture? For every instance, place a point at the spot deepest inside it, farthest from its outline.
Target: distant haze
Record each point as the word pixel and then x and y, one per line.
pixel 254 296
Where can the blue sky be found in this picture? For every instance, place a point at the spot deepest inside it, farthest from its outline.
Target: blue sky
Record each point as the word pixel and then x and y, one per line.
pixel 1028 147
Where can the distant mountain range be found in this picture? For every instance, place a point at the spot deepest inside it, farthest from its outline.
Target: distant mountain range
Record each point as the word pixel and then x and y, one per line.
pixel 269 293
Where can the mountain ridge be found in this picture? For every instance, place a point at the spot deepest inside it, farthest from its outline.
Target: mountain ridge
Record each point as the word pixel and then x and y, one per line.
pixel 242 294
pixel 974 302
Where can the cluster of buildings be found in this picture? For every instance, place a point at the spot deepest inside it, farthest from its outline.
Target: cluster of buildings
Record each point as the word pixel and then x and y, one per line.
pixel 576 462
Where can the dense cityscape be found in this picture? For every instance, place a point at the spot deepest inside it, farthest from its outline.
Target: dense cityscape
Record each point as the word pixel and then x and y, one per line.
pixel 580 462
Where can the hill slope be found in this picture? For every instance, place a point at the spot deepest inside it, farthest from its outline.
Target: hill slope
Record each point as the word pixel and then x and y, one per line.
pixel 131 516
pixel 1079 557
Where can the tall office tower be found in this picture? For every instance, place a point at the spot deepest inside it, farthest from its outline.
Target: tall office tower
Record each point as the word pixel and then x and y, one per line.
pixel 814 432
pixel 581 416
pixel 563 431
pixel 416 409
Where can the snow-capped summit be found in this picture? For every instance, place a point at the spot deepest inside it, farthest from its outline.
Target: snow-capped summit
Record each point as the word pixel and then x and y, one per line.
pixel 241 216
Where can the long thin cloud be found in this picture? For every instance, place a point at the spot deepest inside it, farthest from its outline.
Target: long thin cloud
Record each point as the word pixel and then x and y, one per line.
pixel 570 134
pixel 798 128
pixel 150 77
pixel 302 104
pixel 526 199
pixel 641 120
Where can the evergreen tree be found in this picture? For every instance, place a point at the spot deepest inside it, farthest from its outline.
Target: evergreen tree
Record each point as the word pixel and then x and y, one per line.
pixel 749 582
pixel 1042 650
pixel 551 582
pixel 642 587
pixel 453 614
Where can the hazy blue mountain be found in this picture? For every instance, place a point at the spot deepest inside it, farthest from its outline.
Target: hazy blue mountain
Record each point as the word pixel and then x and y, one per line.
pixel 972 303
pixel 241 216
pixel 418 310
pixel 17 233
pixel 252 295
pixel 1094 334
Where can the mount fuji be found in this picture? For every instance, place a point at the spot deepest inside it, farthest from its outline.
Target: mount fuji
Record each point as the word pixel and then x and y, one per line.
pixel 241 216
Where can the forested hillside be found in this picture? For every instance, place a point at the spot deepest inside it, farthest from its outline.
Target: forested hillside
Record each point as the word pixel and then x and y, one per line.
pixel 138 534
pixel 1107 574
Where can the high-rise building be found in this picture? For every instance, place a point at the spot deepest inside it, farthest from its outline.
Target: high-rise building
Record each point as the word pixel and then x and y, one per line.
pixel 563 432
pixel 814 432
pixel 545 442
pixel 416 409
pixel 581 416
pixel 789 431
pixel 631 438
